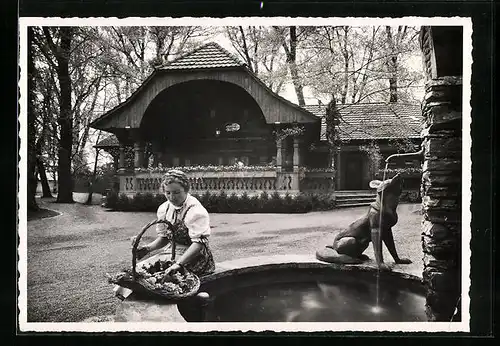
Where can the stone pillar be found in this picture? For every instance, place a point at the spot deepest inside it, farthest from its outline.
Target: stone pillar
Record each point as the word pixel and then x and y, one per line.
pixel 441 181
pixel 138 154
pixel 296 154
pixel 279 157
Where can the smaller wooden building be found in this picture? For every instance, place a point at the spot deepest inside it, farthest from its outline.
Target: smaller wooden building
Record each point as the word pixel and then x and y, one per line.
pixel 386 125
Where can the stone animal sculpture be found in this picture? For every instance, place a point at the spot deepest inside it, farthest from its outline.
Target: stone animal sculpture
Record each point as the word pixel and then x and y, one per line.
pixel 375 226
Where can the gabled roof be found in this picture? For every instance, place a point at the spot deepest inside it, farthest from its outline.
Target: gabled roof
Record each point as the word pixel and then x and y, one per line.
pixel 371 121
pixel 210 55
pixel 108 142
pixel 206 57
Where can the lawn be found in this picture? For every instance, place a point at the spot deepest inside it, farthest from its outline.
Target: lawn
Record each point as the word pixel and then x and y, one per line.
pixel 70 254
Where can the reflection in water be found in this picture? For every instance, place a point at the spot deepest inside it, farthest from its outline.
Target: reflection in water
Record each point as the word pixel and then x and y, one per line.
pixel 318 302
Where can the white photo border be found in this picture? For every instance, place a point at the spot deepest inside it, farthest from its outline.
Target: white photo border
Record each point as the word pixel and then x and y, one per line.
pixel 462 326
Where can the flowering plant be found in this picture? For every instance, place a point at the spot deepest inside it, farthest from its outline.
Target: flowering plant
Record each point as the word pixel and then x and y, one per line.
pixel 289 132
pixel 207 168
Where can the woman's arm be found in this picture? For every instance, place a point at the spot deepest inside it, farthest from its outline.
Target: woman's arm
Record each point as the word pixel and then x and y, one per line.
pixel 158 243
pixel 190 254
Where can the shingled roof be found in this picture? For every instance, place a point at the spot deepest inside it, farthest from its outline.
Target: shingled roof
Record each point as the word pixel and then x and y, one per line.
pixel 108 142
pixel 372 121
pixel 210 55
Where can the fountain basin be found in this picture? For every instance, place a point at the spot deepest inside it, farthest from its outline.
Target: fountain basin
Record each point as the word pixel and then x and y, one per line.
pixel 291 289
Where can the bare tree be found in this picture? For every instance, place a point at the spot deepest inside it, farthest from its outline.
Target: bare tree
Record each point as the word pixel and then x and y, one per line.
pixel 32 180
pixel 57 51
pixel 289 37
pixel 171 41
pixel 361 63
pixel 260 48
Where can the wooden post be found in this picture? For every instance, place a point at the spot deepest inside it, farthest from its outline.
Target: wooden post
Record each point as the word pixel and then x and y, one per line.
pixel 296 154
pixel 138 154
pixel 279 158
pixel 121 159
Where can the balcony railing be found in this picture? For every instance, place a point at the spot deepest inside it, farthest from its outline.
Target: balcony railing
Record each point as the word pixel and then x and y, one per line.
pixel 251 181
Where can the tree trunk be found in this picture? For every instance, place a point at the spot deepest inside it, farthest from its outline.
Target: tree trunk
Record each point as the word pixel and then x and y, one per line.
pixel 393 88
pixel 292 63
pixel 43 179
pixel 92 179
pixel 41 170
pixel 32 180
pixel 392 66
pixel 65 121
pixel 345 54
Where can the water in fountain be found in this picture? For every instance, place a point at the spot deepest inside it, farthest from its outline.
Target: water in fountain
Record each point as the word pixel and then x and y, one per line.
pixel 333 299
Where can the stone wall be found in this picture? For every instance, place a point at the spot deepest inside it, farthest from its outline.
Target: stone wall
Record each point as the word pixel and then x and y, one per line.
pixel 441 196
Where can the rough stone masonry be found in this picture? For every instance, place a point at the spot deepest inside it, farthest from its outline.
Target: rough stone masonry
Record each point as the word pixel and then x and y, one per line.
pixel 441 196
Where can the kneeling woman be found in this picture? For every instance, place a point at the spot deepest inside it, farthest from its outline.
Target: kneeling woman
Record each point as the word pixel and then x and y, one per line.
pixel 190 231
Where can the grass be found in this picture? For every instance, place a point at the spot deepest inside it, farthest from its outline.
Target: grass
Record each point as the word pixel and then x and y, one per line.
pixel 69 255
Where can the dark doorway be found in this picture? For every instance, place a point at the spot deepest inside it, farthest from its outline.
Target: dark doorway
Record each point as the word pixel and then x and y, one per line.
pixel 352 167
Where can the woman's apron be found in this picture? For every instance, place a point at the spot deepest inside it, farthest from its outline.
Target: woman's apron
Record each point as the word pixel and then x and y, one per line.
pixel 203 263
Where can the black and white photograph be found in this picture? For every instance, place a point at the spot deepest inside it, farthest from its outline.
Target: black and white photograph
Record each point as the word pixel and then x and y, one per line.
pixel 245 174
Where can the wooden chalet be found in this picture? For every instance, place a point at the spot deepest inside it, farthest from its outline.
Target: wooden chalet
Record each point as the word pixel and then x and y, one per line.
pixel 206 109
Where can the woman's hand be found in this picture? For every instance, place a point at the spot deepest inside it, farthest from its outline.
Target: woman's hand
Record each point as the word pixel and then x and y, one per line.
pixel 141 251
pixel 172 269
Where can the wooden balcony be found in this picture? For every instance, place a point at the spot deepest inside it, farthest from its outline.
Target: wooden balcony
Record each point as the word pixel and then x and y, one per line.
pixel 251 181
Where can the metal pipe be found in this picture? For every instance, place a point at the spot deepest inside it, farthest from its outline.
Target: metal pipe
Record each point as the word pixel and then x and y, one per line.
pixel 418 153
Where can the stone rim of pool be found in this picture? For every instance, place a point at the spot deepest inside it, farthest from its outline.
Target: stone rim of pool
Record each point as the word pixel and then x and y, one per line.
pixel 147 310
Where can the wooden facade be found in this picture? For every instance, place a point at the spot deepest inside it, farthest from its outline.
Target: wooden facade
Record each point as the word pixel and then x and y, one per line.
pixel 213 116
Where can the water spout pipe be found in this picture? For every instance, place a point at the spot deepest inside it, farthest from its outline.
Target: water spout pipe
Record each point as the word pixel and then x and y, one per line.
pixel 418 153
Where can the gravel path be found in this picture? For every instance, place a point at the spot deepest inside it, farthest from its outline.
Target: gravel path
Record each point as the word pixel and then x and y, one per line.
pixel 69 254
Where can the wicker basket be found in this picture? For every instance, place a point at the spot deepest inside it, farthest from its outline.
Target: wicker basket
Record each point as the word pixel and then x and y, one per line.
pixel 137 281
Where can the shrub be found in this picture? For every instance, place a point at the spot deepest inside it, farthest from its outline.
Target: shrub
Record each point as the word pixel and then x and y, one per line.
pixel 123 202
pixel 275 203
pixel 315 202
pixel 254 204
pixel 137 202
pixel 232 204
pixel 303 203
pixel 245 205
pixel 111 200
pixel 159 199
pixel 213 201
pixel 287 203
pixel 221 203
